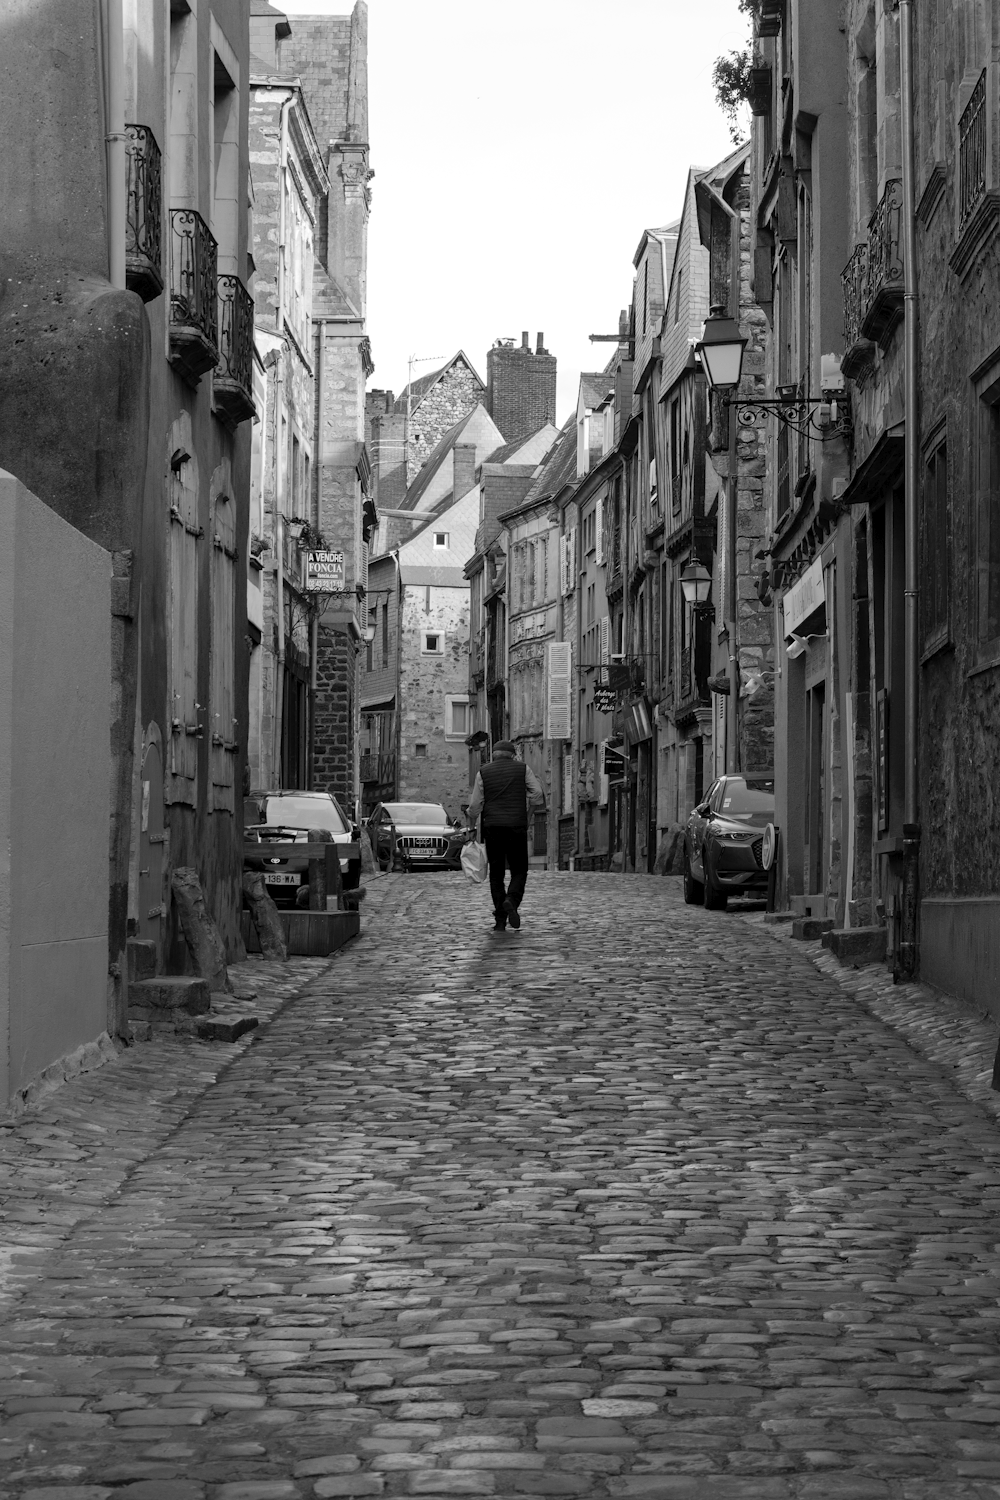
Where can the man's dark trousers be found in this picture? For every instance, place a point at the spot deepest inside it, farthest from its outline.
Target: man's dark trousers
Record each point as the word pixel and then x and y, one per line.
pixel 506 846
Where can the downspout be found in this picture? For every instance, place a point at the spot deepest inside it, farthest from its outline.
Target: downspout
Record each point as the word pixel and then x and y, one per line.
pixel 279 455
pixel 906 959
pixel 732 600
pixel 314 623
pixel 115 140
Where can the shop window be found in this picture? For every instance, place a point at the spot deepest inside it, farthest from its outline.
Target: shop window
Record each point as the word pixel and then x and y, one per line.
pixel 936 548
pixel 987 574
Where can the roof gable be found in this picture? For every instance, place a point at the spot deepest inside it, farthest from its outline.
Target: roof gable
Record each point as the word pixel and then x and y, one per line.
pixel 420 387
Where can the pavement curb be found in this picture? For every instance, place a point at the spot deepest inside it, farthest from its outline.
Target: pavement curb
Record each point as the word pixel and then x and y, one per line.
pixel 957 1036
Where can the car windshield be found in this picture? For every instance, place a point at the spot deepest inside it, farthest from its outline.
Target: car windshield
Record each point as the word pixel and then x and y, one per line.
pixel 304 812
pixel 420 814
pixel 748 794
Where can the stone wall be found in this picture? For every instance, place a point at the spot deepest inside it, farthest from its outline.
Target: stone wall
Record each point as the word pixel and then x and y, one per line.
pixel 335 716
pixel 441 774
pixel 432 415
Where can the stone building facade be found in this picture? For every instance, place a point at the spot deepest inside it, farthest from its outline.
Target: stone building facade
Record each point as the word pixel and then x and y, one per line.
pixel 434 403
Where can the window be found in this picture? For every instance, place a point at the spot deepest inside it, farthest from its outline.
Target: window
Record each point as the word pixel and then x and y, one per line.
pixel 654 498
pixel 225 126
pixel 988 518
pixel 222 692
pixel 675 453
pixel 385 633
pixel 456 718
pixel 936 547
pixel 185 728
pixel 420 750
pixel 433 643
pixel 441 539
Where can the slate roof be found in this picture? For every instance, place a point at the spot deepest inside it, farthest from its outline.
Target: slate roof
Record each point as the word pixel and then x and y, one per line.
pixel 434 460
pixel 560 466
pixel 595 387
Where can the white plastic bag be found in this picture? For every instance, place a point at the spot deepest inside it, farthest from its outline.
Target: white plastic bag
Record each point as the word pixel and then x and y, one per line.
pixel 474 862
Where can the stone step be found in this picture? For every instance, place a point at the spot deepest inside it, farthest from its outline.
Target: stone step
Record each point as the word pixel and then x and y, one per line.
pixel 227 1028
pixel 808 929
pixel 153 999
pixel 141 954
pixel 854 947
pixel 770 917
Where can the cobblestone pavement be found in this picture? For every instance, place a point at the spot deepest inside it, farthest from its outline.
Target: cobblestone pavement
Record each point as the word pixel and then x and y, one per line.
pixel 634 1202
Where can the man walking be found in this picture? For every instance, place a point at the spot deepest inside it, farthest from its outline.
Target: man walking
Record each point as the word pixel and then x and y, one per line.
pixel 504 790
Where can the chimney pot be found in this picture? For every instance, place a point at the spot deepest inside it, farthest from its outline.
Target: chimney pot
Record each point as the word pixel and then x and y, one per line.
pixel 526 341
pixel 540 345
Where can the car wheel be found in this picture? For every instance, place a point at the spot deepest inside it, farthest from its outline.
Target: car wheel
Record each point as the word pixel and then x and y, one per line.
pixel 715 899
pixel 694 891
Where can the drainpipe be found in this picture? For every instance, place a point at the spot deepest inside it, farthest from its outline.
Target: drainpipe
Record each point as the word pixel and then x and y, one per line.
pixel 906 958
pixel 732 602
pixel 282 173
pixel 115 140
pixel 279 544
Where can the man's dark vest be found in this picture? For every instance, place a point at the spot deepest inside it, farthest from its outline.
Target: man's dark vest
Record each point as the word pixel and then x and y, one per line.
pixel 506 804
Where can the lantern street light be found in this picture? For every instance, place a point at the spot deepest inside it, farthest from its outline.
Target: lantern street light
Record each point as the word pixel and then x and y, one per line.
pixel 696 584
pixel 721 349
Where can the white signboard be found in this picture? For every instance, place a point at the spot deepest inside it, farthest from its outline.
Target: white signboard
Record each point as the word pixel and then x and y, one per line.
pixel 325 572
pixel 804 597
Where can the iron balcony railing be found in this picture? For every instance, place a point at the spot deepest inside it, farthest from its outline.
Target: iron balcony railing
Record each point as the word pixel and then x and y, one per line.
pixel 144 213
pixel 194 316
pixel 855 279
pixel 972 153
pixel 233 379
pixel 873 280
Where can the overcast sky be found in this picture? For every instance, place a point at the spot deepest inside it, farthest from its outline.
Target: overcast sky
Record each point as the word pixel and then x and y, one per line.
pixel 520 147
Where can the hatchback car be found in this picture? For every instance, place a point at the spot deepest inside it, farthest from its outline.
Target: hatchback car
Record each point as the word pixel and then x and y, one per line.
pixel 418 835
pixel 289 817
pixel 724 837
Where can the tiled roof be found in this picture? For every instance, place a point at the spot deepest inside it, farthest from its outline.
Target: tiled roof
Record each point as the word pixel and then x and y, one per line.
pixel 595 387
pixel 560 466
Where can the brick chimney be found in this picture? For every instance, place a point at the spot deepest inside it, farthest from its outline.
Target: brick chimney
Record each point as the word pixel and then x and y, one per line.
pixel 520 387
pixel 463 457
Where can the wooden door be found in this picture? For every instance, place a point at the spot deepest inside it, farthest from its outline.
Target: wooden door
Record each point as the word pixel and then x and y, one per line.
pixel 152 841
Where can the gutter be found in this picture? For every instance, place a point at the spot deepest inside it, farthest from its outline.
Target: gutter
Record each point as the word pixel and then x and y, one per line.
pixel 906 957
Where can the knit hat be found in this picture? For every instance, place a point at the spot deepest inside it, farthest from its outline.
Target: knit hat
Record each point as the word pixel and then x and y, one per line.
pixel 505 747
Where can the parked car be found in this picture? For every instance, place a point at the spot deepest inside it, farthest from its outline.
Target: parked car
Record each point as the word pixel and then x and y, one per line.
pixel 288 817
pixel 425 836
pixel 724 837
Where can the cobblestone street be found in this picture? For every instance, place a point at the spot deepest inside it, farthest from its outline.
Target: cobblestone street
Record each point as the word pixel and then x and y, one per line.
pixel 635 1202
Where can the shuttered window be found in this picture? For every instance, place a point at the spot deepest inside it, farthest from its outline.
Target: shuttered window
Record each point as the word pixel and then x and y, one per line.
pixel 183 626
pixel 222 696
pixel 557 691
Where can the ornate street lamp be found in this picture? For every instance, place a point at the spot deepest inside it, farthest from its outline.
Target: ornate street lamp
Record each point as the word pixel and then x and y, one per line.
pixel 721 349
pixel 696 584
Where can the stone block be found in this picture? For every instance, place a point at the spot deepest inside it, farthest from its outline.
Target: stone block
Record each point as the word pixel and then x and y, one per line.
pixel 808 929
pixel 224 1028
pixel 169 992
pixel 141 959
pixel 779 916
pixel 856 946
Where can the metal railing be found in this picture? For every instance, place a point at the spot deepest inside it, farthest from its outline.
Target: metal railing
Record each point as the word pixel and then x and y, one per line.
pixel 143 212
pixel 235 335
pixel 885 252
pixel 855 280
pixel 193 290
pixel 972 153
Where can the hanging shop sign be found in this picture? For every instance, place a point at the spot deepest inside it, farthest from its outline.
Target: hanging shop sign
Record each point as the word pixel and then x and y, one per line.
pixel 804 598
pixel 637 724
pixel 614 760
pixel 325 572
pixel 605 700
pixel 619 676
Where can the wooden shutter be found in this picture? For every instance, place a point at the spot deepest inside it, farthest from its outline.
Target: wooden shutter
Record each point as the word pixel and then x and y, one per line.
pixel 557 694
pixel 564 565
pixel 599 530
pixel 221 702
pixel 183 608
pixel 605 640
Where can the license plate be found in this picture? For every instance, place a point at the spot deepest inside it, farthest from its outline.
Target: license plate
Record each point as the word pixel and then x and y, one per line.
pixel 270 879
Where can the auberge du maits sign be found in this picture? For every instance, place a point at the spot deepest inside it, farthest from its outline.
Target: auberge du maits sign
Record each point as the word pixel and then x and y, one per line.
pixel 325 572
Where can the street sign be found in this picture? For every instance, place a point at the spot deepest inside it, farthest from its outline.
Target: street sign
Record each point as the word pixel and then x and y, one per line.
pixel 325 572
pixel 614 761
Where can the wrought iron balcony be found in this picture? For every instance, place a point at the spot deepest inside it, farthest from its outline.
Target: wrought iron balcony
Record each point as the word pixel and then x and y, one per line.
pixel 144 213
pixel 972 154
pixel 194 328
pixel 885 265
pixel 873 283
pixel 232 383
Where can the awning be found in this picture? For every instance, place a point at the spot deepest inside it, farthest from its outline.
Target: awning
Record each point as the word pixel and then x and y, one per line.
pixel 883 463
pixel 382 704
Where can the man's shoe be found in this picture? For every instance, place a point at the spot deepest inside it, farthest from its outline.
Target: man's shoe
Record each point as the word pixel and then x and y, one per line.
pixel 513 915
pixel 499 926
